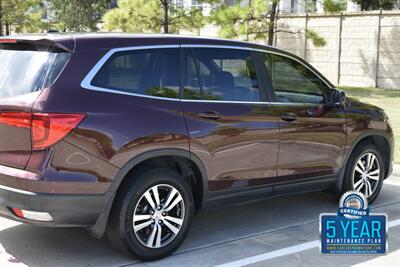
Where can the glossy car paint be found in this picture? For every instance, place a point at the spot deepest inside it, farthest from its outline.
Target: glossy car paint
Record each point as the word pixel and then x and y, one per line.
pixel 248 147
pixel 313 144
pixel 15 144
pixel 240 149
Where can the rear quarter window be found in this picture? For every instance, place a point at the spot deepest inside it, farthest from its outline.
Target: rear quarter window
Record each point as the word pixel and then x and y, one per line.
pixel 153 72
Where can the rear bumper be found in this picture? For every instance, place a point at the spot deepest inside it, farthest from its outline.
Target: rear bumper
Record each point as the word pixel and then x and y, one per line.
pixel 67 210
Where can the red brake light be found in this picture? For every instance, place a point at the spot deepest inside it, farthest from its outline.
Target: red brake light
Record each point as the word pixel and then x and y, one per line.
pixel 17 212
pixel 46 128
pixel 49 128
pixel 8 41
pixel 19 119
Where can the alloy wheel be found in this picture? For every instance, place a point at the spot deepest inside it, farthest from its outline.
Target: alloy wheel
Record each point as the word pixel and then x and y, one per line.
pixel 366 174
pixel 158 216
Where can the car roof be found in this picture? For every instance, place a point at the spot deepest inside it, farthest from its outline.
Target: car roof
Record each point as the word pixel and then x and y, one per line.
pixel 95 41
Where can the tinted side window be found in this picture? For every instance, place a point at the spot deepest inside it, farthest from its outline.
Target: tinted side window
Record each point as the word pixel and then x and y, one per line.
pixel 154 72
pixel 226 74
pixel 191 89
pixel 293 82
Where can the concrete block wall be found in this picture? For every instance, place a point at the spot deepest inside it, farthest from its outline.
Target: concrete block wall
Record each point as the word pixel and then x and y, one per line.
pixel 389 51
pixel 326 58
pixel 289 38
pixel 363 48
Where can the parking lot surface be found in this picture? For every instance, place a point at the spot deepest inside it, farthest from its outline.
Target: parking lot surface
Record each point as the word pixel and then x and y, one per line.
pixel 275 232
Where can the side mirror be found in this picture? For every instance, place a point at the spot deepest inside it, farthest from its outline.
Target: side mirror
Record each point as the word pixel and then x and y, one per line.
pixel 337 98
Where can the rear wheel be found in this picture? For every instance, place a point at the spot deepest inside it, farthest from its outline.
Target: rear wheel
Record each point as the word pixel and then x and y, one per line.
pixel 152 216
pixel 365 171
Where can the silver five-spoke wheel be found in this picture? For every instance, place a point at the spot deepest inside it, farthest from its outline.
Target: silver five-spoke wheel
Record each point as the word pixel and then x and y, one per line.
pixel 366 174
pixel 158 216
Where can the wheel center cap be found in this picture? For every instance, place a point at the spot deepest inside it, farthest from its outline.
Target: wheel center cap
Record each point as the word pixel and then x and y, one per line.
pixel 157 215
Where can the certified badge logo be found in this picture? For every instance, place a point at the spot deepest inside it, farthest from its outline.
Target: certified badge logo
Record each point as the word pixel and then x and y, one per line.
pixel 353 205
pixel 353 229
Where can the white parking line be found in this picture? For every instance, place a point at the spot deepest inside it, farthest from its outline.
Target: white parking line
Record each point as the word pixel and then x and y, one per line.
pixel 284 251
pixel 9 260
pixel 393 180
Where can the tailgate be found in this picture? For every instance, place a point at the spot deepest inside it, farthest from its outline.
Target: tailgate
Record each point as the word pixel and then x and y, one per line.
pixel 26 68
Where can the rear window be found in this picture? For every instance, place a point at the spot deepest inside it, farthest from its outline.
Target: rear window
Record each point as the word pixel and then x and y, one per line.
pixel 23 71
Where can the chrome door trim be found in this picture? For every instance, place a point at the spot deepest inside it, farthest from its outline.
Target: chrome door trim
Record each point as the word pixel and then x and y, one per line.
pixel 86 82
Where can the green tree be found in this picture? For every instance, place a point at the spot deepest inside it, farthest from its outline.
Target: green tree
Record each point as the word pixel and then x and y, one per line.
pixel 257 20
pixel 77 15
pixel 21 16
pixel 153 16
pixel 377 4
pixel 334 6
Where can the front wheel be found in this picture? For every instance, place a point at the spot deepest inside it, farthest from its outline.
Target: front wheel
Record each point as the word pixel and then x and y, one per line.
pixel 152 216
pixel 365 171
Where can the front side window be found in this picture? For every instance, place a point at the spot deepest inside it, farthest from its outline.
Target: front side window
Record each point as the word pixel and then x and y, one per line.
pixel 221 74
pixel 293 82
pixel 153 72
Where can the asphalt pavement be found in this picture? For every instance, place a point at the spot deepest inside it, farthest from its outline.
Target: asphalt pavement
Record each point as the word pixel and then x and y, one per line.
pixel 281 231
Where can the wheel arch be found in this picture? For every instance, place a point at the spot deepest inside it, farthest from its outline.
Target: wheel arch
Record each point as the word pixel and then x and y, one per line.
pixel 375 136
pixel 98 229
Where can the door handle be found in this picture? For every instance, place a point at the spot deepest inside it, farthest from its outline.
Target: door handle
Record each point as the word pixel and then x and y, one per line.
pixel 289 117
pixel 210 115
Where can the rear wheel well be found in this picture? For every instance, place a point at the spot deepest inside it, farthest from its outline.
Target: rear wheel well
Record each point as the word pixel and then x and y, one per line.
pixel 382 144
pixel 182 165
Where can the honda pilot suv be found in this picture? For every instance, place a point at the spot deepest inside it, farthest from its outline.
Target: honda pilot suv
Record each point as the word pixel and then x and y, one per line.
pixel 131 135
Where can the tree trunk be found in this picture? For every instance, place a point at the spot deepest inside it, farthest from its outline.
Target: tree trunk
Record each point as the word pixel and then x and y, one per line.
pixel 165 21
pixel 271 26
pixel 7 29
pixel 365 5
pixel 1 18
pixel 247 26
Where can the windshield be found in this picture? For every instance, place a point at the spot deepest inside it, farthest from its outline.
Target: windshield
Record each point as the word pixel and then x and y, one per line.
pixel 23 71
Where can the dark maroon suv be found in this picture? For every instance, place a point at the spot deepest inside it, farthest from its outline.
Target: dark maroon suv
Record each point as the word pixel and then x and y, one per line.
pixel 131 135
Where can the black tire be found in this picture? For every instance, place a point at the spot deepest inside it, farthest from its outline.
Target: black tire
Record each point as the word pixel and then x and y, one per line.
pixel 120 224
pixel 358 152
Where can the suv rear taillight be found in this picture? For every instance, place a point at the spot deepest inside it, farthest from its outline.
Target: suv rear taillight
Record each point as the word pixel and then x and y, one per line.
pixel 49 128
pixel 46 128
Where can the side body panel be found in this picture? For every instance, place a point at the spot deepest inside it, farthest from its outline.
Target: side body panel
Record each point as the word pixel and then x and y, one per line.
pixel 240 149
pixel 116 129
pixel 312 145
pixel 365 120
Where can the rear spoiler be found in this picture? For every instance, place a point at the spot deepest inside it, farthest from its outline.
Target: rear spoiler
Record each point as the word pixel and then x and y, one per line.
pixel 33 45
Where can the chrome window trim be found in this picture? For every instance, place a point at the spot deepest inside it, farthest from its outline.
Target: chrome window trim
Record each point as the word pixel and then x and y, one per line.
pixel 224 101
pixel 86 82
pixel 217 46
pixel 294 104
pixel 249 102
